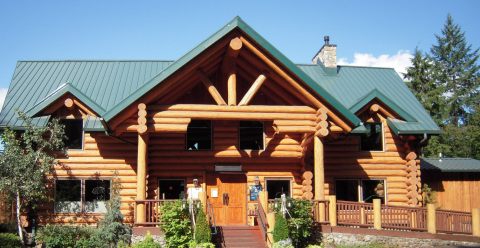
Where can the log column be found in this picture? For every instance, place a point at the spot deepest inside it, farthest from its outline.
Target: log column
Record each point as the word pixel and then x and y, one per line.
pixel 319 154
pixel 142 153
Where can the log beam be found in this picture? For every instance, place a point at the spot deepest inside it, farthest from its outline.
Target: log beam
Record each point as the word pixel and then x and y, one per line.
pixel 232 88
pixel 68 103
pixel 211 88
pixel 141 176
pixel 319 169
pixel 253 90
pixel 229 70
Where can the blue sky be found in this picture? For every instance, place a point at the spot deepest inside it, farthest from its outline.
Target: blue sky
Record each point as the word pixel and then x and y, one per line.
pixel 377 33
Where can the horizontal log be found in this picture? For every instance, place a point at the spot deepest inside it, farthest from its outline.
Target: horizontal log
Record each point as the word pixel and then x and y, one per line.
pixel 227 153
pixel 411 156
pixel 260 116
pixel 367 167
pixel 294 123
pixel 295 129
pixel 244 109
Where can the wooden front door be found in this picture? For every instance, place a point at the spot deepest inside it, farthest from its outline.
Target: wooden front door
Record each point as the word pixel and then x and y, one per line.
pixel 227 194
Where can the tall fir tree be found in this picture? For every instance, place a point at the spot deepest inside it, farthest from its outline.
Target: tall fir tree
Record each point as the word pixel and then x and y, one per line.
pixel 422 84
pixel 457 71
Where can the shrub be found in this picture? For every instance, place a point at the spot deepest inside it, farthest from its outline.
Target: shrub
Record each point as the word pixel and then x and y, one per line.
pixel 9 240
pixel 280 230
pixel 53 236
pixel 300 222
pixel 148 242
pixel 8 228
pixel 205 245
pixel 111 229
pixel 203 234
pixel 176 224
pixel 315 246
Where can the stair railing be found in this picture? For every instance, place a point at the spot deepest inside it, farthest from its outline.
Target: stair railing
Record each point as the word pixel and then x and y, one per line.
pixel 262 220
pixel 211 216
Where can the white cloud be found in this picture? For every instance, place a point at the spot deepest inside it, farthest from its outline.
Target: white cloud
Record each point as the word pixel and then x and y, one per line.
pixel 400 61
pixel 3 94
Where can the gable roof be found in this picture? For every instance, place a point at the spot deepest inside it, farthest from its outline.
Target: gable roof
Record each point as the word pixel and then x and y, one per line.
pixel 450 164
pixel 355 86
pixel 108 87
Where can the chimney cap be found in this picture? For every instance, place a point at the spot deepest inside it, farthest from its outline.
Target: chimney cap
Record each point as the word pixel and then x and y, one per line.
pixel 326 38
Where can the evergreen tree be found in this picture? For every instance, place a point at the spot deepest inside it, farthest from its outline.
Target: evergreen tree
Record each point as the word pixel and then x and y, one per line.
pixel 25 163
pixel 457 71
pixel 422 84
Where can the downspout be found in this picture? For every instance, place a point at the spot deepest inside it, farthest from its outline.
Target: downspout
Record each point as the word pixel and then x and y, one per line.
pixel 109 132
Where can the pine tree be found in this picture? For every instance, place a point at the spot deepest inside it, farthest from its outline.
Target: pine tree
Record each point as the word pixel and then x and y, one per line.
pixel 421 82
pixel 457 71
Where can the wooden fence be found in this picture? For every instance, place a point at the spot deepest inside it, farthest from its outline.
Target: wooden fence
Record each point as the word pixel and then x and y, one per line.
pixel 356 214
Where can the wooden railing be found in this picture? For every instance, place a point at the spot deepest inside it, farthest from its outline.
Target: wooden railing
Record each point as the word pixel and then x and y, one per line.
pixel 262 220
pixel 404 218
pixel 320 211
pixel 354 213
pixel 453 222
pixel 358 214
pixel 152 211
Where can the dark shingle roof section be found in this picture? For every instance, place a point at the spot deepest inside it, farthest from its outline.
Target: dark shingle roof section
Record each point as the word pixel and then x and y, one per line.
pixel 352 84
pixel 450 164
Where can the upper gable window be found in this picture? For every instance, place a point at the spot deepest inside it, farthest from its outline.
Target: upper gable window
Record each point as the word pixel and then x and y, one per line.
pixel 73 133
pixel 373 139
pixel 199 135
pixel 251 135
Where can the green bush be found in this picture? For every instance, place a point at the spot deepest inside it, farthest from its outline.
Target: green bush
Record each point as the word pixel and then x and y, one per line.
pixel 9 240
pixel 57 236
pixel 205 245
pixel 148 242
pixel 280 230
pixel 8 228
pixel 300 224
pixel 176 224
pixel 203 234
pixel 315 246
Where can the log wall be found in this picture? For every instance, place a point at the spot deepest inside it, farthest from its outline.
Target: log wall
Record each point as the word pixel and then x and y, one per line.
pixel 102 157
pixel 345 160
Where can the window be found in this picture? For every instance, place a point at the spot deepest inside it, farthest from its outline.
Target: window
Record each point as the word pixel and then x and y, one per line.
pixel 73 133
pixel 171 189
pixel 199 135
pixel 373 139
pixel 360 190
pixel 251 135
pixel 277 187
pixel 75 196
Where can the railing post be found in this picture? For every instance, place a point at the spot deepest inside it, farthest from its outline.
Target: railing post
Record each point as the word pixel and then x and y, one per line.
pixel 362 215
pixel 271 226
pixel 431 219
pixel 332 210
pixel 476 222
pixel 377 214
pixel 321 209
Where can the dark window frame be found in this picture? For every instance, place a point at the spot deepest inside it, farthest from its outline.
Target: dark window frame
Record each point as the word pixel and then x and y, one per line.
pixel 371 147
pixel 82 142
pixel 289 179
pixel 240 136
pixel 211 137
pixel 360 190
pixel 82 193
pixel 159 197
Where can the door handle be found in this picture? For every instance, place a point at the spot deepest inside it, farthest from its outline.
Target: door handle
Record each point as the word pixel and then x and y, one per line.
pixel 228 199
pixel 224 198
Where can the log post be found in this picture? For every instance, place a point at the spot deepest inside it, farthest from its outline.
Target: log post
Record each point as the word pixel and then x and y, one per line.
pixel 431 219
pixel 377 214
pixel 142 154
pixel 232 88
pixel 68 103
pixel 332 210
pixel 476 222
pixel 253 90
pixel 141 176
pixel 319 169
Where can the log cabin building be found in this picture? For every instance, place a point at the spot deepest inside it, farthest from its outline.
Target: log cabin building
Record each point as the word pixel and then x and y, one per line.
pixel 230 110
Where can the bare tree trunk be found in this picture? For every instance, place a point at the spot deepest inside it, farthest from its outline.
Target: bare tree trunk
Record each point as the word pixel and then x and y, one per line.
pixel 19 223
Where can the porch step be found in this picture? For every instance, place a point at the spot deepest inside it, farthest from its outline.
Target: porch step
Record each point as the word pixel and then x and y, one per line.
pixel 239 237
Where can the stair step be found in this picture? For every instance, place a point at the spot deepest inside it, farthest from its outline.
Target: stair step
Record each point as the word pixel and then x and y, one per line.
pixel 240 237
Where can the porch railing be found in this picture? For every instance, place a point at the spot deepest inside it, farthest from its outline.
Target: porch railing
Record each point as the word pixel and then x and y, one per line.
pixel 152 212
pixel 356 214
pixel 453 221
pixel 320 211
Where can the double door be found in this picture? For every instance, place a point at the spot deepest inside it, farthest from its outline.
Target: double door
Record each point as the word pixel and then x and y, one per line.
pixel 228 194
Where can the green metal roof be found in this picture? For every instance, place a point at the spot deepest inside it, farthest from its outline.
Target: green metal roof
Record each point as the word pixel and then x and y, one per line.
pixel 355 86
pixel 108 87
pixel 450 164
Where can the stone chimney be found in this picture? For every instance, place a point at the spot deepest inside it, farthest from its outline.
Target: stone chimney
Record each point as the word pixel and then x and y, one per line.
pixel 327 54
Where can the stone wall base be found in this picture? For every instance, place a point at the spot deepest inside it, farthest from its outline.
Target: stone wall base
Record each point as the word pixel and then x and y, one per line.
pixel 333 239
